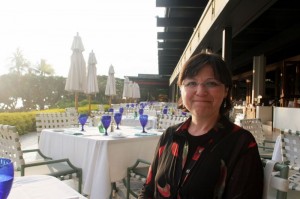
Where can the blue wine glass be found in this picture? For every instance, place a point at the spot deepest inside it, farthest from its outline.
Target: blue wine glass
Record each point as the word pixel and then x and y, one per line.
pixel 111 110
pixel 144 121
pixel 118 118
pixel 106 119
pixel 142 105
pixel 6 177
pixel 121 110
pixel 165 111
pixel 141 111
pixel 82 120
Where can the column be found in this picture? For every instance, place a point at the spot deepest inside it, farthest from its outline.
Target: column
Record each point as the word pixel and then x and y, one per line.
pixel 258 81
pixel 227 45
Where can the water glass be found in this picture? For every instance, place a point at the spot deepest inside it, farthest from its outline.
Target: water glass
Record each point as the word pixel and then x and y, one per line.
pixel 106 119
pixel 6 177
pixel 144 121
pixel 82 120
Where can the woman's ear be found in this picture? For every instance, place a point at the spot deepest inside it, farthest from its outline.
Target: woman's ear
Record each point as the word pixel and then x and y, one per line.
pixel 226 92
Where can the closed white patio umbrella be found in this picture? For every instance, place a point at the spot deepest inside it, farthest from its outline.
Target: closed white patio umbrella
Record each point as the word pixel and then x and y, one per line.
pixel 136 94
pixel 110 89
pixel 92 83
pixel 76 80
pixel 126 89
pixel 130 89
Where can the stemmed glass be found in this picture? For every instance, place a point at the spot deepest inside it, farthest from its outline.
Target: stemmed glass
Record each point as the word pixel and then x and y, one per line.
pixel 144 121
pixel 106 119
pixel 118 118
pixel 82 120
pixel 6 177
pixel 141 111
pixel 142 105
pixel 121 110
pixel 165 111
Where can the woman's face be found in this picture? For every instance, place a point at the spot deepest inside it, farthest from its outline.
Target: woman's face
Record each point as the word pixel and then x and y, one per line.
pixel 203 95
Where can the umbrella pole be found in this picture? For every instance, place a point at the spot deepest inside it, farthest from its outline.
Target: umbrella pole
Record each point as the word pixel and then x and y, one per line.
pixel 76 101
pixel 89 104
pixel 110 101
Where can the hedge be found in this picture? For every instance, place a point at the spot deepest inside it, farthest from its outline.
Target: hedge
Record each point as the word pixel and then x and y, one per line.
pixel 25 121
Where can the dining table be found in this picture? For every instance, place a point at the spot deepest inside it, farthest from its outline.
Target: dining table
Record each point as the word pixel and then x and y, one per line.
pixel 103 159
pixel 41 187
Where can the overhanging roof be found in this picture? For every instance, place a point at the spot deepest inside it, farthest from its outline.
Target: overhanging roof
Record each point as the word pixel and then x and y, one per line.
pixel 269 27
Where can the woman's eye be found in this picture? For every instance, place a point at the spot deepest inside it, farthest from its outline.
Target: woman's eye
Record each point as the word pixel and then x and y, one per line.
pixel 192 84
pixel 211 84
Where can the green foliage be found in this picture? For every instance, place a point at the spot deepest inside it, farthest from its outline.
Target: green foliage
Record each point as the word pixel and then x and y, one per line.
pixel 38 92
pixel 25 121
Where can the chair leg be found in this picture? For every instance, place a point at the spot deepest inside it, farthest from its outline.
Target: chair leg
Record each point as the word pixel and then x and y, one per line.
pixel 128 185
pixel 79 182
pixel 114 189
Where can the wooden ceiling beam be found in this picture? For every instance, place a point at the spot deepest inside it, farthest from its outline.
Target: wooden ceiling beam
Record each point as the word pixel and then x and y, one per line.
pixel 171 45
pixel 168 62
pixel 181 3
pixel 177 22
pixel 174 53
pixel 174 35
pixel 168 58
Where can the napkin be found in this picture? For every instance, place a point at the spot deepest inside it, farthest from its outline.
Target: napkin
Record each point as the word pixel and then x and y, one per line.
pixel 73 132
pixel 145 134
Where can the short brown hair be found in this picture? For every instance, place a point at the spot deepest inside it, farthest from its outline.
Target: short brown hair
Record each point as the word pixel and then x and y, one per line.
pixel 192 67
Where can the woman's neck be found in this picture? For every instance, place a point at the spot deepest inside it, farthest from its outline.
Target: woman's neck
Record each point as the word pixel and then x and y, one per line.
pixel 200 126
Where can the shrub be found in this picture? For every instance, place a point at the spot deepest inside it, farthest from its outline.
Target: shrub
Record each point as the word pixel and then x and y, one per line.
pixel 25 121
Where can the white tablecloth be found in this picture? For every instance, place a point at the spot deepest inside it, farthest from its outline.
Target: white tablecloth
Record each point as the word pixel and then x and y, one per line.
pixel 103 159
pixel 41 187
pixel 131 121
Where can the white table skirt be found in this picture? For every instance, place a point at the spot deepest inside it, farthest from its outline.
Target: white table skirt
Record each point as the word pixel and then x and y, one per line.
pixel 103 159
pixel 41 187
pixel 277 154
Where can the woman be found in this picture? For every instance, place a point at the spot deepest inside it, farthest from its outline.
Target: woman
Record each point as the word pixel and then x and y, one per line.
pixel 206 157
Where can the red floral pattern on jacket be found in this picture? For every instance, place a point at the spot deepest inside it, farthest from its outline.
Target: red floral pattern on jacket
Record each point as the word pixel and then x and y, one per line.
pixel 227 166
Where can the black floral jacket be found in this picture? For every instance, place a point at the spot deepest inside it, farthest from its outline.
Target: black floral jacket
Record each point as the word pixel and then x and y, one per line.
pixel 226 166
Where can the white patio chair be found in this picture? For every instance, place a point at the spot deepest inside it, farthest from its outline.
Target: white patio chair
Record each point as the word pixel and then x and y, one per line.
pixel 164 121
pixel 55 120
pixel 256 128
pixel 138 172
pixel 290 143
pixel 10 147
pixel 275 180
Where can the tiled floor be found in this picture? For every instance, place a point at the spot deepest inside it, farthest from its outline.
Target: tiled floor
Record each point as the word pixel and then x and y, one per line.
pixel 30 141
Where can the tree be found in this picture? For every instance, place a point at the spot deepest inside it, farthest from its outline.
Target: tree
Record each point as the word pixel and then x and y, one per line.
pixel 45 69
pixel 19 63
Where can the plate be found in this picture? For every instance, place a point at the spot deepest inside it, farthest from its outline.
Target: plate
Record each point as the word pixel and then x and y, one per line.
pixel 58 130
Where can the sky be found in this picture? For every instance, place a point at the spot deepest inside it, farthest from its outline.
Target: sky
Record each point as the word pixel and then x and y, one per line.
pixel 120 33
